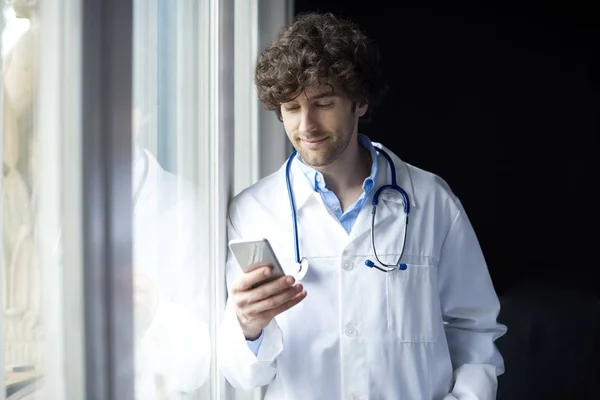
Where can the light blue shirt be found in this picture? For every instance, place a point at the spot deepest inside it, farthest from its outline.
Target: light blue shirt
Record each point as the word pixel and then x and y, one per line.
pixel 347 218
pixel 317 181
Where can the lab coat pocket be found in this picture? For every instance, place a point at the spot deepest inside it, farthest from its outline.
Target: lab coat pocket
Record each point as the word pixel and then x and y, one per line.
pixel 412 303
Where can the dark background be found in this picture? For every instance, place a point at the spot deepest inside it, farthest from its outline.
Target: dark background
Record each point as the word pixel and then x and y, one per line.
pixel 501 101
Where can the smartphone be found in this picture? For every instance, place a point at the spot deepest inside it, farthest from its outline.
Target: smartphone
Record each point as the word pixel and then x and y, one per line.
pixel 254 253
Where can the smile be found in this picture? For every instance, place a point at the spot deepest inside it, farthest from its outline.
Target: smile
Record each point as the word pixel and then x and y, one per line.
pixel 314 144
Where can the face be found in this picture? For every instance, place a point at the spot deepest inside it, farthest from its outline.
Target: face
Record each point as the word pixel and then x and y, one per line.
pixel 321 123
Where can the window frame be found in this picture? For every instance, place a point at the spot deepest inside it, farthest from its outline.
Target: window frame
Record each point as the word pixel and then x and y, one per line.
pixel 106 95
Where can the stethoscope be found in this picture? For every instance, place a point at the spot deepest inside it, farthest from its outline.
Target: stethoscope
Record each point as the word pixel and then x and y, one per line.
pixel 302 262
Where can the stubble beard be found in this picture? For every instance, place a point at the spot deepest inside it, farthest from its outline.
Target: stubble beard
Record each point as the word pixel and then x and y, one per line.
pixel 325 156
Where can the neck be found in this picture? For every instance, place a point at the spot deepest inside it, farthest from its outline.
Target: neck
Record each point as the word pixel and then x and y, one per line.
pixel 346 175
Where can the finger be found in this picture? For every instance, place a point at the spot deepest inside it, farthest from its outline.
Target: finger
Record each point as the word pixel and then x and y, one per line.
pixel 269 289
pixel 248 279
pixel 273 302
pixel 285 306
pixel 247 301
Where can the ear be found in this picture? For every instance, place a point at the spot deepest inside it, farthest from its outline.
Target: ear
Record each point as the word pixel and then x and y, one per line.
pixel 361 109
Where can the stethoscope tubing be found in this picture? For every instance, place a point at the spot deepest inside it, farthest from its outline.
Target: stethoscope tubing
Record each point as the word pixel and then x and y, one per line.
pixel 293 207
pixel 392 186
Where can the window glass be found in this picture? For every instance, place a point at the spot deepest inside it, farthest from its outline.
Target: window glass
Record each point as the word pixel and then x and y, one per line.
pixel 170 197
pixel 182 150
pixel 21 320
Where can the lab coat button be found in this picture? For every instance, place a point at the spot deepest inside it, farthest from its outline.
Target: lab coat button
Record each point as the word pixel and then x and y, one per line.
pixel 348 266
pixel 350 330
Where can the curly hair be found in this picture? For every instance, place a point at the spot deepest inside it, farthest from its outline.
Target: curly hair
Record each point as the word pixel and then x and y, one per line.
pixel 319 49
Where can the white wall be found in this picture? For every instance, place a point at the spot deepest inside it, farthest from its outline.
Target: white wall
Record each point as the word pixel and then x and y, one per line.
pixel 261 145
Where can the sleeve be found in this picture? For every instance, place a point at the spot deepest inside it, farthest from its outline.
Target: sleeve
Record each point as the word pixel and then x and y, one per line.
pixel 470 308
pixel 239 364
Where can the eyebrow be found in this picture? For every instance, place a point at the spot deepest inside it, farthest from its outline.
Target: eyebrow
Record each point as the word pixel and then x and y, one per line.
pixel 323 94
pixel 317 96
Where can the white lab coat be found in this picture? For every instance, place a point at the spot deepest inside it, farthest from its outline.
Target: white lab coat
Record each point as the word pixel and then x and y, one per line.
pixel 424 333
pixel 168 251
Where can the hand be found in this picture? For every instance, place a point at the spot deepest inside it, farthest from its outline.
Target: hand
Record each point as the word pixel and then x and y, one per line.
pixel 255 308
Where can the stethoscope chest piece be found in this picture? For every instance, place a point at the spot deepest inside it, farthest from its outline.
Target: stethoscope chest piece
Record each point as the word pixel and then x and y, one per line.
pixel 302 268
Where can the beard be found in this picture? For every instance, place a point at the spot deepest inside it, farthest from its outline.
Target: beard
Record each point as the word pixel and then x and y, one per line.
pixel 325 152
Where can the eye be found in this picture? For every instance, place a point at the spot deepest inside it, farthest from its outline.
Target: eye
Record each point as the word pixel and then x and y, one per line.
pixel 325 105
pixel 290 108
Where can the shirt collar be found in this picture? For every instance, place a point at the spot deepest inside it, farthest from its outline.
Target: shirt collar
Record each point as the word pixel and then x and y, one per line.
pixel 316 180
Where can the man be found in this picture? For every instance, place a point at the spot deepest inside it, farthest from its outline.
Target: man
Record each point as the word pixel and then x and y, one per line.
pixel 424 330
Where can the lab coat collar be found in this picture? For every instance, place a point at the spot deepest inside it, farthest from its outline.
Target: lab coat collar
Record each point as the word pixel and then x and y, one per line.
pixel 302 189
pixel 403 178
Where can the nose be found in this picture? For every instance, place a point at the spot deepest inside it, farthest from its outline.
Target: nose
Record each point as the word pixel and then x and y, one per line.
pixel 307 122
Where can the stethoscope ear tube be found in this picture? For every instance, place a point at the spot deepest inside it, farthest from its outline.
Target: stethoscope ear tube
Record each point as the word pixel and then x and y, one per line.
pixel 387 267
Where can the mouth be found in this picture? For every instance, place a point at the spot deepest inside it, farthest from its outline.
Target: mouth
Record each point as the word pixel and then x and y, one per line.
pixel 313 143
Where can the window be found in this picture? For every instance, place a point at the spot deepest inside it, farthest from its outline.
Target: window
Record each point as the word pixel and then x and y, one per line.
pixel 41 254
pixel 21 276
pixel 118 144
pixel 172 198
